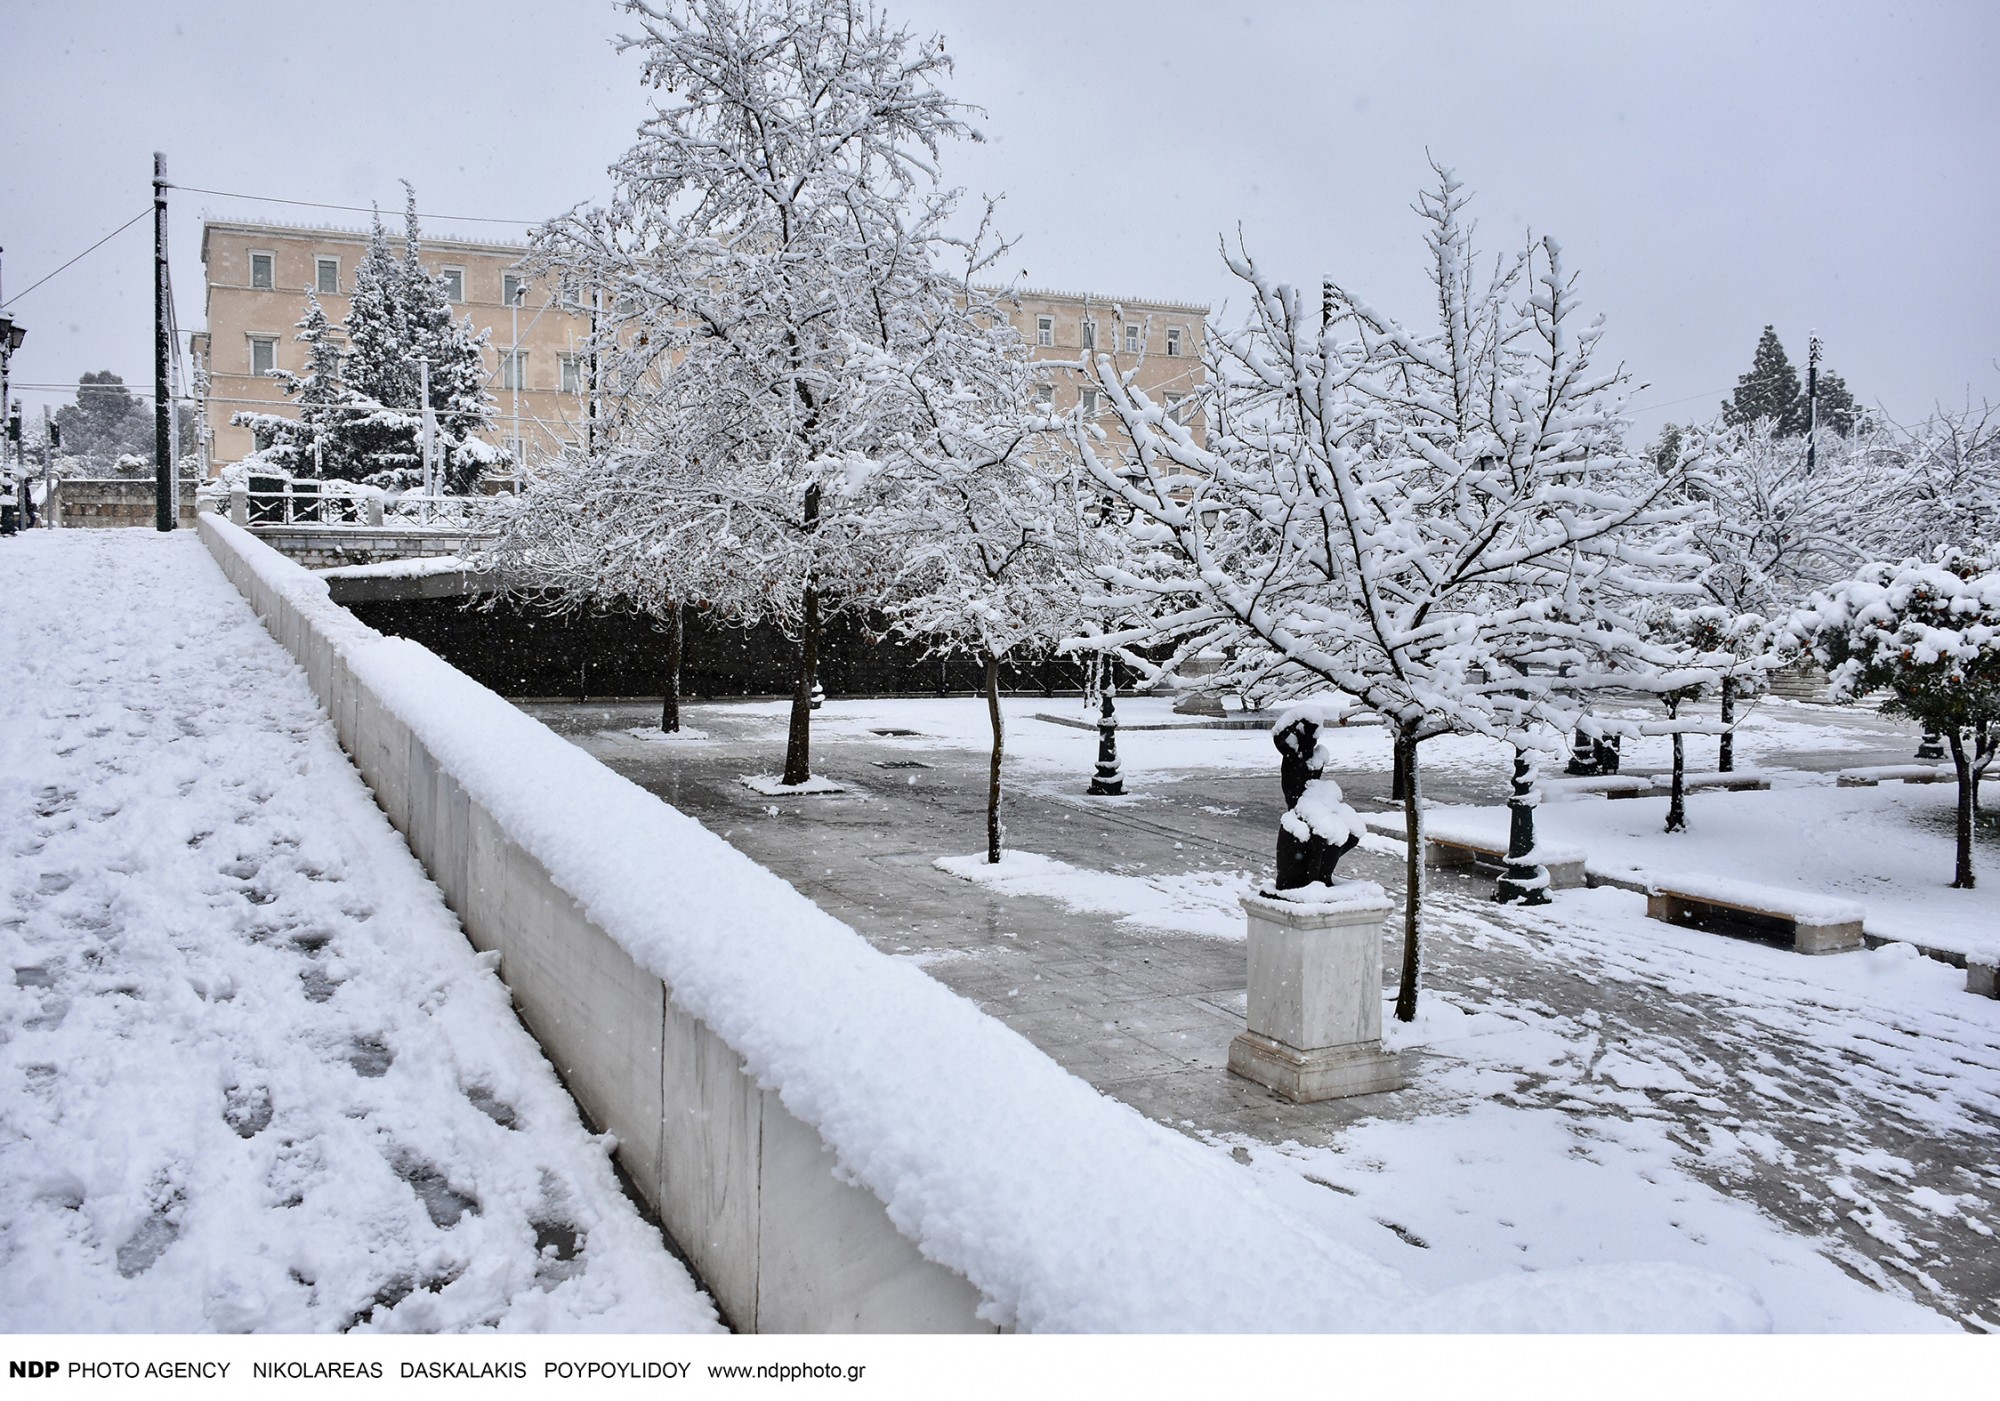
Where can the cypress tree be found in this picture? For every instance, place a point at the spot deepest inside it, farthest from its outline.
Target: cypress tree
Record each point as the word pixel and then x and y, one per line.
pixel 1770 390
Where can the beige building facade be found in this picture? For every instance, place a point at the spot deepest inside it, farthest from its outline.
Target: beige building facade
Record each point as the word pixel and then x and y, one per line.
pixel 1160 341
pixel 258 275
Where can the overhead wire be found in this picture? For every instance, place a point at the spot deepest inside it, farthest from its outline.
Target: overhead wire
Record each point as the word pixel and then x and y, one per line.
pixel 353 208
pixel 81 256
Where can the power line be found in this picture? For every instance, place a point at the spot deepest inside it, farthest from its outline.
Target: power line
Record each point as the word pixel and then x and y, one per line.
pixel 81 256
pixel 1647 408
pixel 353 208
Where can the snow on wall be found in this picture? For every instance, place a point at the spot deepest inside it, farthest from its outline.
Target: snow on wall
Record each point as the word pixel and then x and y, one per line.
pixel 1066 1210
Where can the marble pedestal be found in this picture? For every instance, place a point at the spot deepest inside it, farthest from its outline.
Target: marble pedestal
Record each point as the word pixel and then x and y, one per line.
pixel 1315 1005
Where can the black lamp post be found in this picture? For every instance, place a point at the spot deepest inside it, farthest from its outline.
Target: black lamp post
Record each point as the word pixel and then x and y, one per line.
pixel 1109 781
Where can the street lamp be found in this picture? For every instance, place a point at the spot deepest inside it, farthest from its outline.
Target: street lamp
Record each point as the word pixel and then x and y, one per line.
pixel 12 333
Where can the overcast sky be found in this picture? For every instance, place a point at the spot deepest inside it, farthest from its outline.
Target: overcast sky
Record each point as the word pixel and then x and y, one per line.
pixel 1707 168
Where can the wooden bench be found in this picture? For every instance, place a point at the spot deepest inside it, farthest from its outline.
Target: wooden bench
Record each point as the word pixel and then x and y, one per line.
pixel 1454 851
pixel 1812 925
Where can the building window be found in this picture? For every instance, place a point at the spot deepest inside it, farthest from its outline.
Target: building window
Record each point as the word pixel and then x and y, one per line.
pixel 1173 340
pixel 1131 339
pixel 329 276
pixel 261 439
pixel 1089 403
pixel 1045 330
pixel 263 271
pixel 454 283
pixel 1045 396
pixel 512 285
pixel 1089 334
pixel 513 369
pixel 572 373
pixel 1174 410
pixel 263 354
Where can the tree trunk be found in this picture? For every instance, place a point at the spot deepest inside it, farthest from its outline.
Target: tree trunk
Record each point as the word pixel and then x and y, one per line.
pixel 798 741
pixel 670 698
pixel 993 772
pixel 1725 761
pixel 1413 872
pixel 1967 783
pixel 1677 817
pixel 1399 775
pixel 1524 880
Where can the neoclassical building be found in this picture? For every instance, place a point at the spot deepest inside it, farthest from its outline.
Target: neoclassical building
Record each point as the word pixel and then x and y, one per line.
pixel 257 276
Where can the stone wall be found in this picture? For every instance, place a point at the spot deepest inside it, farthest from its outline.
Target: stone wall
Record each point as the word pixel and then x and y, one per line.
pixel 111 501
pixel 744 1187
pixel 334 547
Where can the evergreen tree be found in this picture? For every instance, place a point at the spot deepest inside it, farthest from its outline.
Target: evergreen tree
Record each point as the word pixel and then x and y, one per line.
pixel 455 351
pixel 397 314
pixel 317 443
pixel 1770 389
pixel 108 422
pixel 380 370
pixel 1837 409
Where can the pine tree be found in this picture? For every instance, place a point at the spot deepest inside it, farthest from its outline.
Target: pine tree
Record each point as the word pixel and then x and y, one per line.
pixel 106 422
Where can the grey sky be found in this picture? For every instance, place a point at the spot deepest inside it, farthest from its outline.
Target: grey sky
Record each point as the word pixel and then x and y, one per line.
pixel 1707 168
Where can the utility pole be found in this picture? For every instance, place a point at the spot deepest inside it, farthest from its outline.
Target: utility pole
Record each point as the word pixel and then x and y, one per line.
pixel 1812 404
pixel 166 502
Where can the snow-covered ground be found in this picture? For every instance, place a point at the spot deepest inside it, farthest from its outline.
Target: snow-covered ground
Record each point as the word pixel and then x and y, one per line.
pixel 251 1075
pixel 1594 1086
pixel 1889 849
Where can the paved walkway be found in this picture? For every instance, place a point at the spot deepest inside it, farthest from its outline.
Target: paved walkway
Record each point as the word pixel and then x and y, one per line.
pixel 252 1077
pixel 1855 1128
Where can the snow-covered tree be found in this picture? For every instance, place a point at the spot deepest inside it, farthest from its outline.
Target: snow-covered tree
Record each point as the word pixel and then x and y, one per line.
pixel 1929 634
pixel 108 422
pixel 1444 523
pixel 1772 535
pixel 1770 390
pixel 600 528
pixel 1702 648
pixel 315 442
pixel 1935 485
pixel 777 235
pixel 397 314
pixel 983 518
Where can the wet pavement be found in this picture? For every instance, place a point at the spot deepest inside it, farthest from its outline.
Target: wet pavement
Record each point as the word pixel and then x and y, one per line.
pixel 1859 1122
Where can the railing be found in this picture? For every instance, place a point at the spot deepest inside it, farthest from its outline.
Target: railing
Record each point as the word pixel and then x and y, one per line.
pixel 267 501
